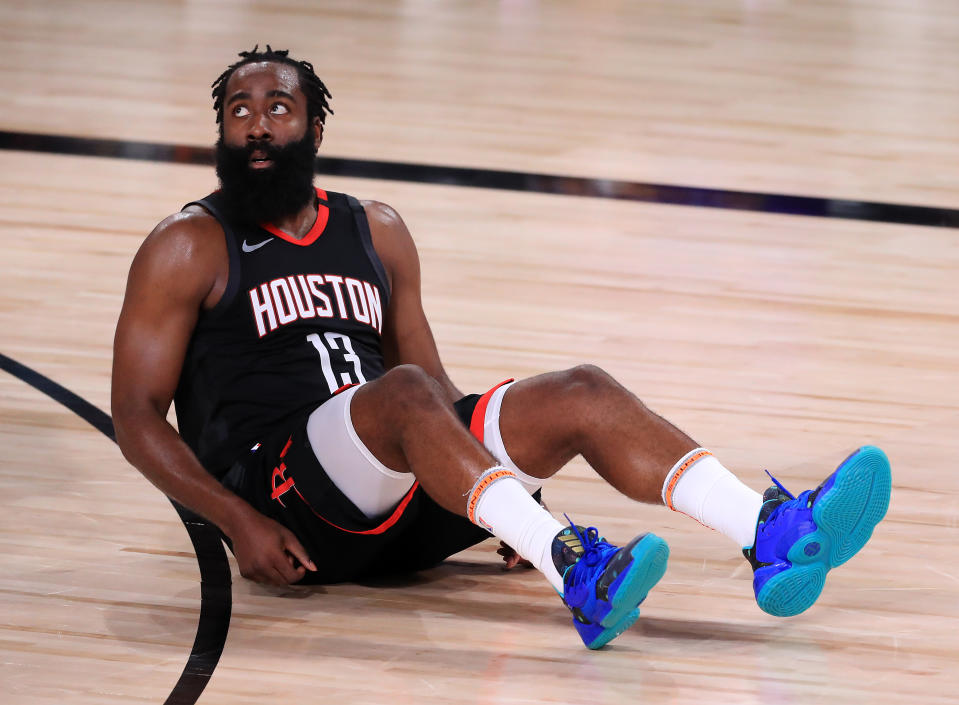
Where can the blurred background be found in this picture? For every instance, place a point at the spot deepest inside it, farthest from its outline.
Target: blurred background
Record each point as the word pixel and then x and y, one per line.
pixel 779 341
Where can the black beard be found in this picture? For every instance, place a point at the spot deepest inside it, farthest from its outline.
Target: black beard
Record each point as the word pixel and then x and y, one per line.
pixel 266 195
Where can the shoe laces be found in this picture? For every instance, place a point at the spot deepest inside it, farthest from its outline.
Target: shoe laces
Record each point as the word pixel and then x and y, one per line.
pixel 780 486
pixel 801 501
pixel 596 551
pixel 773 508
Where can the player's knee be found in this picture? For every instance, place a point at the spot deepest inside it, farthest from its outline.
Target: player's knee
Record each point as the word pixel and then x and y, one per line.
pixel 407 377
pixel 588 393
pixel 411 389
pixel 588 386
pixel 587 380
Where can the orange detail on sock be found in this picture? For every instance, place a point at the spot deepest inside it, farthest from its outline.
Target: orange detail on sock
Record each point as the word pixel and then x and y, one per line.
pixel 481 486
pixel 679 473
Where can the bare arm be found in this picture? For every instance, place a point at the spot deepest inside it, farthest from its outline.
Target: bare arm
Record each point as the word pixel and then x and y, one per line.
pixel 407 338
pixel 178 270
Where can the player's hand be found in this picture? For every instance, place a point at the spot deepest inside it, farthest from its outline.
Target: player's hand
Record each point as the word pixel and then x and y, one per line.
pixel 268 552
pixel 511 558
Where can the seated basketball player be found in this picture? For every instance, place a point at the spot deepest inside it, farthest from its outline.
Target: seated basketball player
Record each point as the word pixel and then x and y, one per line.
pixel 319 431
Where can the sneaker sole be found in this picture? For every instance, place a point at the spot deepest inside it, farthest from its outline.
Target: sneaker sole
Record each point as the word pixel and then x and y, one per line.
pixel 845 516
pixel 650 557
pixel 610 633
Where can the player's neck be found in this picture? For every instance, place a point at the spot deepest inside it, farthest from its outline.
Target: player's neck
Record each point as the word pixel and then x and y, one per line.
pixel 298 224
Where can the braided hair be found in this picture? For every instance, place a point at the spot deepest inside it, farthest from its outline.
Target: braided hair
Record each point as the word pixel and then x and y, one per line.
pixel 313 88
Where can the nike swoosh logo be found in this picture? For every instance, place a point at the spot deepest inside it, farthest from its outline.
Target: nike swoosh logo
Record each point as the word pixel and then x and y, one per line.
pixel 257 246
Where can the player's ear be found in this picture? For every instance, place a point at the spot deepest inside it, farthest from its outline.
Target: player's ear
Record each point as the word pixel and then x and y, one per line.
pixel 317 128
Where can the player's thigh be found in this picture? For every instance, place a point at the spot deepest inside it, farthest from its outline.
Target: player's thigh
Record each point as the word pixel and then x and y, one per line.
pixel 372 486
pixel 384 409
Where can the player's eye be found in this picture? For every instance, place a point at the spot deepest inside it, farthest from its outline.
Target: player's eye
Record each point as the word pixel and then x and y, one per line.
pixel 240 111
pixel 279 109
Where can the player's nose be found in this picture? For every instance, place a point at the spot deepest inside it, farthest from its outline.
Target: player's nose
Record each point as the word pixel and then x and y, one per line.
pixel 259 128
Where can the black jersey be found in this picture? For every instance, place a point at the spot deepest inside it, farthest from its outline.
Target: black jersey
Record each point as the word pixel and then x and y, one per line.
pixel 298 320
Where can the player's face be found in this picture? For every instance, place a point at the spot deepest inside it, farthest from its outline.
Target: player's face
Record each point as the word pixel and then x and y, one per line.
pixel 267 149
pixel 263 103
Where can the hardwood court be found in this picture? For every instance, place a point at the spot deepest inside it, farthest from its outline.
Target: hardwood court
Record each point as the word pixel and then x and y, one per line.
pixel 777 341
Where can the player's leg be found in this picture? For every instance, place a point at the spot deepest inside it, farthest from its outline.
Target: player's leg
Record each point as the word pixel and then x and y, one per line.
pixel 790 542
pixel 404 420
pixel 547 420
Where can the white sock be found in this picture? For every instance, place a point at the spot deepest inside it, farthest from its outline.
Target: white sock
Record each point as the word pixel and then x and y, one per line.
pixel 500 503
pixel 699 486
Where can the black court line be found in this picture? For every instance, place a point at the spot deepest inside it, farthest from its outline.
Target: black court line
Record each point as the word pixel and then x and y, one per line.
pixel 216 599
pixel 513 181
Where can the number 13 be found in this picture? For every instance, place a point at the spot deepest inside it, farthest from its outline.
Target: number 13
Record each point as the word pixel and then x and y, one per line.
pixel 348 355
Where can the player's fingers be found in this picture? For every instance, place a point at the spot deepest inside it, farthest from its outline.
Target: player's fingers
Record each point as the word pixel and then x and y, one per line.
pixel 289 574
pixel 284 565
pixel 509 557
pixel 277 578
pixel 291 544
pixel 265 575
pixel 282 574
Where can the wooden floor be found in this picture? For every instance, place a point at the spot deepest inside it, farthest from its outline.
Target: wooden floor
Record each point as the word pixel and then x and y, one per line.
pixel 780 342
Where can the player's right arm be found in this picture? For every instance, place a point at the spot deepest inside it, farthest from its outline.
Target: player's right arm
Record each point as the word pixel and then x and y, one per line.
pixel 180 269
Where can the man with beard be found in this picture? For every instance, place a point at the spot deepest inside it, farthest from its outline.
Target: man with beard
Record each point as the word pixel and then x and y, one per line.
pixel 319 431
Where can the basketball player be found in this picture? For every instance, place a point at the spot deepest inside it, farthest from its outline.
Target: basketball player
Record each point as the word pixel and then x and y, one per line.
pixel 319 431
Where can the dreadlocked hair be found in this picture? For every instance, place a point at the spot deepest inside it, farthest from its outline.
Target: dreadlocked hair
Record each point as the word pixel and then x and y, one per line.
pixel 313 88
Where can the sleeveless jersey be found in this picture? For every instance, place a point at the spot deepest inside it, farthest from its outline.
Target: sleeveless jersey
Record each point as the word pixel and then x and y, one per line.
pixel 298 320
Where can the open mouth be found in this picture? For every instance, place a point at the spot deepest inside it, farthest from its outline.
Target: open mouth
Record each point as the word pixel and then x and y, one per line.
pixel 259 160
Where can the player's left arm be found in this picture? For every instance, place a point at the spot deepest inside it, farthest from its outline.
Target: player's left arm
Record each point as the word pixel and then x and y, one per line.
pixel 407 338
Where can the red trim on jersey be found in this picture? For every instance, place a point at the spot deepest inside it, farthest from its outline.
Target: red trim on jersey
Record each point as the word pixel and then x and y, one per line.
pixel 382 528
pixel 345 387
pixel 289 442
pixel 322 218
pixel 478 419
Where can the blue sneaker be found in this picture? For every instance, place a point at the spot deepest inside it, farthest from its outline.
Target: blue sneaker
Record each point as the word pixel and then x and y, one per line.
pixel 604 584
pixel 800 539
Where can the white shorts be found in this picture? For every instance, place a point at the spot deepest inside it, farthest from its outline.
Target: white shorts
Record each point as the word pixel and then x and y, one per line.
pixel 374 488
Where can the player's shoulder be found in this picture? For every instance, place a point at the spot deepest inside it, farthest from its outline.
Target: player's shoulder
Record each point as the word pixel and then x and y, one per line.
pixel 194 221
pixel 391 239
pixel 382 214
pixel 188 245
pixel 188 232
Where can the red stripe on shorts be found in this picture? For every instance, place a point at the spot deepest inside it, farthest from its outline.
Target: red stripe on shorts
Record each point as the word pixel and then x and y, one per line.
pixel 478 419
pixel 382 528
